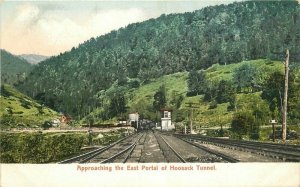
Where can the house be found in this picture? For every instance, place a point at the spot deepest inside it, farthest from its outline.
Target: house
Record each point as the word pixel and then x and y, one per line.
pixel 65 118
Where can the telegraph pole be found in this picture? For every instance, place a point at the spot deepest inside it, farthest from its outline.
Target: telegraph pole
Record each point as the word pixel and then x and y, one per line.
pixel 286 84
pixel 191 106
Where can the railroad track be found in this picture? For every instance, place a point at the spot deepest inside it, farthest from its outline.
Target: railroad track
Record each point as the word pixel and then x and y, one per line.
pixel 118 151
pixel 289 153
pixel 210 151
pixel 159 137
pixel 89 156
pixel 218 154
pixel 123 155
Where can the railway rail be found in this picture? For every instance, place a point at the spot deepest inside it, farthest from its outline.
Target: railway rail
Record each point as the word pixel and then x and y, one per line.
pixel 83 158
pixel 159 136
pixel 288 153
pixel 154 146
pixel 225 157
pixel 127 150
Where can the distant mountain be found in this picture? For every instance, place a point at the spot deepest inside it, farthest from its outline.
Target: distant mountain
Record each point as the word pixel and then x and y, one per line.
pixel 13 68
pixel 33 58
pixel 75 81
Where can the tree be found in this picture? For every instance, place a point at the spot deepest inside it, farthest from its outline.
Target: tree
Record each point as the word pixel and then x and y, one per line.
pixel 176 99
pixel 122 79
pixel 232 103
pixel 90 120
pixel 144 109
pixel 241 123
pixel 273 92
pixel 117 104
pixel 197 83
pixel 244 76
pixel 211 91
pixel 134 83
pixel 225 91
pixel 160 99
pixel 294 99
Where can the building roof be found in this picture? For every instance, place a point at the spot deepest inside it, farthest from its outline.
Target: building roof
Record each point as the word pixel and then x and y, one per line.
pixel 166 109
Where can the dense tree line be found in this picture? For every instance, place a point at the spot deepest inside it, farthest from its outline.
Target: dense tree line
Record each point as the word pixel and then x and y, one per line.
pixel 13 68
pixel 74 81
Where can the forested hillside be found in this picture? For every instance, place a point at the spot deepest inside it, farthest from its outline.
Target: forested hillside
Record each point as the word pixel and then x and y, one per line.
pixel 77 81
pixel 13 69
pixel 222 92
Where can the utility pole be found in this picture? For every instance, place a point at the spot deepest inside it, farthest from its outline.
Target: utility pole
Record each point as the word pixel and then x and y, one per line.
pixel 286 85
pixel 192 106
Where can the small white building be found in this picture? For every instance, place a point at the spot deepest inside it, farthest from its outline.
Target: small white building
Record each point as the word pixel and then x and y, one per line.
pixel 55 122
pixel 122 123
pixel 166 120
pixel 134 119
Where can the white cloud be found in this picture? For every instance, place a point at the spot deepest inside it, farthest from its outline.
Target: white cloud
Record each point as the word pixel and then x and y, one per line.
pixel 104 22
pixel 50 28
pixel 26 14
pixel 55 31
pixel 60 33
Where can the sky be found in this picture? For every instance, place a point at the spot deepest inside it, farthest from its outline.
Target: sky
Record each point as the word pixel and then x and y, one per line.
pixel 51 27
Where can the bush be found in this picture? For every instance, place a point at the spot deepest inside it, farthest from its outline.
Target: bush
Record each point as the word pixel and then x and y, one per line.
pixel 19 112
pixel 46 125
pixel 25 104
pixel 254 135
pixel 39 147
pixel 4 92
pixel 134 84
pixel 7 120
pixel 212 133
pixel 213 105
pixel 221 132
pixel 241 123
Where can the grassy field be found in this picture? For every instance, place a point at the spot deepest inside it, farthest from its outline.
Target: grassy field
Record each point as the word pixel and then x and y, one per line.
pixel 18 110
pixel 203 116
pixel 175 84
pixel 264 68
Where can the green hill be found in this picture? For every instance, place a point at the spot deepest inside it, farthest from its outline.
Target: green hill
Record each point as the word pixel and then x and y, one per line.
pixel 19 110
pixel 13 68
pixel 177 84
pixel 169 44
pixel 141 99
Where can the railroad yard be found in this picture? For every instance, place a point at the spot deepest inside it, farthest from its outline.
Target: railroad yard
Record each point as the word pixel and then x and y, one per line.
pixel 153 146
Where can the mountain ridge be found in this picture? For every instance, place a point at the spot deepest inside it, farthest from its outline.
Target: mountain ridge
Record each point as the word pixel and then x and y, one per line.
pixel 33 58
pixel 222 34
pixel 13 68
